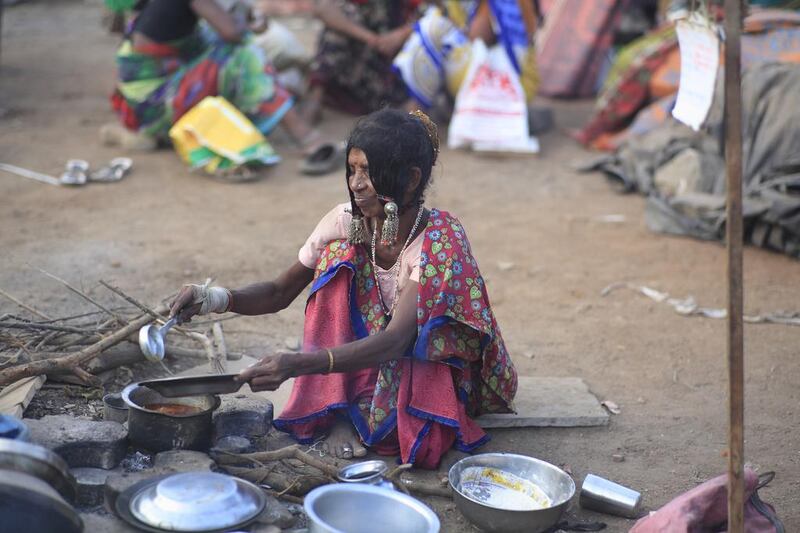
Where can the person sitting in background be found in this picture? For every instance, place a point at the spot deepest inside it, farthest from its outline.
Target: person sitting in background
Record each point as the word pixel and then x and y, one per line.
pixel 166 65
pixel 401 349
pixel 352 70
pixel 435 59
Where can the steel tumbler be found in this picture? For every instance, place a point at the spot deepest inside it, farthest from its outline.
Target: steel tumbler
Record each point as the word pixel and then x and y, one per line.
pixel 608 497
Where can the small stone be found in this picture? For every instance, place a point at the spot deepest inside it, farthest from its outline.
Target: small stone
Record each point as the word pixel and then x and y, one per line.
pixel 612 407
pixel 292 343
pixel 81 442
pixel 91 484
pixel 504 266
pixel 618 458
pixel 115 264
pixel 276 514
pixel 233 444
pixel 184 461
pixel 529 354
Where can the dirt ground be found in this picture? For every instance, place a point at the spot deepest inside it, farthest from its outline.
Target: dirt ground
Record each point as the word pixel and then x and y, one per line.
pixel 163 226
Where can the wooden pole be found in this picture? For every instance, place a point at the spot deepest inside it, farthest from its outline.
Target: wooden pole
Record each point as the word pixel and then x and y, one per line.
pixel 734 230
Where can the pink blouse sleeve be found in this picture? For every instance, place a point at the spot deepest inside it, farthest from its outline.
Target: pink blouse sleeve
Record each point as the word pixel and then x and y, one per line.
pixel 333 226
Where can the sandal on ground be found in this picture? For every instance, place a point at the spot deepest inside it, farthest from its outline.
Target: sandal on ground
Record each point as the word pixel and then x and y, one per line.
pixel 116 169
pixel 328 157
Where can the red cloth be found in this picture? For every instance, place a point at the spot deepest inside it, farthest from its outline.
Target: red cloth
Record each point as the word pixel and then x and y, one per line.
pixel 704 509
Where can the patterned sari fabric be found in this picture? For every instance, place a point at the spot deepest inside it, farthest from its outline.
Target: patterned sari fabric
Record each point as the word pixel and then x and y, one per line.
pixel 159 83
pixel 358 79
pixel 640 95
pixel 422 404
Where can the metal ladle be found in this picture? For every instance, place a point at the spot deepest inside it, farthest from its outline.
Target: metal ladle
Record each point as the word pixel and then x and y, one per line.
pixel 151 339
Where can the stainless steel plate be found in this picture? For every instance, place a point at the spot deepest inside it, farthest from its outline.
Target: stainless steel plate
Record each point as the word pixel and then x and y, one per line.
pixel 197 502
pixel 39 462
pixel 194 385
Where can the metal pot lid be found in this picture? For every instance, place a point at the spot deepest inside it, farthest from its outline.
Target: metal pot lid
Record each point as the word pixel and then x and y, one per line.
pixel 39 462
pixel 195 502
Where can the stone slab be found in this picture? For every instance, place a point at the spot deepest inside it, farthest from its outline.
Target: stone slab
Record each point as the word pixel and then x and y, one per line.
pixel 81 442
pixel 550 402
pixel 242 415
pixel 540 402
pixel 91 485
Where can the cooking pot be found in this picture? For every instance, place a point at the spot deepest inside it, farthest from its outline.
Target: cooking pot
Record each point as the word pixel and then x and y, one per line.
pixel 157 423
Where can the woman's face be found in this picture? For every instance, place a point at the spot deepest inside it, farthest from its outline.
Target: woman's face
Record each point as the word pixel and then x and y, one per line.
pixel 360 183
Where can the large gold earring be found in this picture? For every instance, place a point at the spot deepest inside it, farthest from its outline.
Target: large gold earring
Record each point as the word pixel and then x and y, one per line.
pixel 391 226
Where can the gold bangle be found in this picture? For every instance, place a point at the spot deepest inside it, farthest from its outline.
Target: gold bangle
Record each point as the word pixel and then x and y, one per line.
pixel 330 360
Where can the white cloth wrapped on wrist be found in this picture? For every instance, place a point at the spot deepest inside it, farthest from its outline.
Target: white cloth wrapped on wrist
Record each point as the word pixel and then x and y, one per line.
pixel 213 299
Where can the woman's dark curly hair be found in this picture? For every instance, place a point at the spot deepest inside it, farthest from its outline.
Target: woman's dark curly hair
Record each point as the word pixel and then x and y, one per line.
pixel 395 142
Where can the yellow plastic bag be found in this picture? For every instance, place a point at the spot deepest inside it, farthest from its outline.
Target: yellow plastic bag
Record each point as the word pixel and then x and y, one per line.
pixel 216 136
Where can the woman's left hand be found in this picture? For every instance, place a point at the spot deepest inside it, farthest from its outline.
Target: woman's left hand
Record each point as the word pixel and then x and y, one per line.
pixel 269 373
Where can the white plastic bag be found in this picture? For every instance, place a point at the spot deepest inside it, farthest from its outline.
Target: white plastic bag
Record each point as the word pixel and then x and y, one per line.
pixel 491 111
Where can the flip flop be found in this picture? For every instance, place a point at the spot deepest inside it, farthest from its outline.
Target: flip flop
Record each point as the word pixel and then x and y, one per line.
pixel 75 172
pixel 116 169
pixel 327 158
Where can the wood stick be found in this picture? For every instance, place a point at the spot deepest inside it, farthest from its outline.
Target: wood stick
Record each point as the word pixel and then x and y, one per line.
pixel 292 484
pixel 199 337
pixel 68 362
pixel 107 324
pixel 24 306
pixel 48 327
pixel 426 489
pixel 130 299
pixel 734 237
pixel 219 340
pixel 289 452
pixel 82 295
pixel 288 497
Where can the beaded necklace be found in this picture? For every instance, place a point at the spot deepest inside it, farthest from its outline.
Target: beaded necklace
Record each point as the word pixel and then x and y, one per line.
pixel 396 266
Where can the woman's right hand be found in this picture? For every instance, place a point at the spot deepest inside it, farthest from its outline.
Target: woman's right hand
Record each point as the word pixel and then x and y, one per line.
pixel 184 305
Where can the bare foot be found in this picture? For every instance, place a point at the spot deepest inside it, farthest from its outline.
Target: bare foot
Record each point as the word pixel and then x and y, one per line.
pixel 343 441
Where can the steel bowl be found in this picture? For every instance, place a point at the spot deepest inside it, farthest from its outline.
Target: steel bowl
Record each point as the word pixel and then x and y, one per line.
pixel 554 482
pixel 360 508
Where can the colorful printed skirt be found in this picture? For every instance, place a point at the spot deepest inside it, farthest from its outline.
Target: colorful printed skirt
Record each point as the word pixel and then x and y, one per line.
pixel 421 405
pixel 159 83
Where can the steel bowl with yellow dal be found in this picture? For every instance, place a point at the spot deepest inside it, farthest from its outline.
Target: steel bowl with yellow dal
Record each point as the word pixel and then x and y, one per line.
pixel 504 492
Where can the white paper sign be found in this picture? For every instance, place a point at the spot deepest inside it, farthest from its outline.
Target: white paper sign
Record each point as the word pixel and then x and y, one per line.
pixel 699 63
